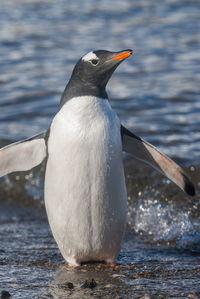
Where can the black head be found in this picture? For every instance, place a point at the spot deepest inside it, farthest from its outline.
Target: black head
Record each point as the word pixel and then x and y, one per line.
pixel 92 72
pixel 96 68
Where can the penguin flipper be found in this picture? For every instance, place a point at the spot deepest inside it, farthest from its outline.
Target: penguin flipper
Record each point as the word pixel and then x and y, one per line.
pixel 23 155
pixel 146 152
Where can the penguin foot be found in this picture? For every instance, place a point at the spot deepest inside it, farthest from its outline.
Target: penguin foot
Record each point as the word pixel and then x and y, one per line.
pixel 112 264
pixel 72 265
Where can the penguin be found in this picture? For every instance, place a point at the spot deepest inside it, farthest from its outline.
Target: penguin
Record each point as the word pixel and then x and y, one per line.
pixel 85 192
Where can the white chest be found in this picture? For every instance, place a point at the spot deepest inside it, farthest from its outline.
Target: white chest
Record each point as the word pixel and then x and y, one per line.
pixel 85 193
pixel 81 119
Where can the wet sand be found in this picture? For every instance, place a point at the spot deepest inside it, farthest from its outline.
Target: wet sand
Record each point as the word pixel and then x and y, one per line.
pixel 31 265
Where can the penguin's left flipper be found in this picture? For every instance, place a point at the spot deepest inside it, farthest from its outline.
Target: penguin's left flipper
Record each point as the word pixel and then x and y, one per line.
pixel 146 152
pixel 23 155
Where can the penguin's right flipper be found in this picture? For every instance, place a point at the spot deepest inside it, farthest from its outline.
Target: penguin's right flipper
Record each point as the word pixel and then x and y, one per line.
pixel 23 155
pixel 149 154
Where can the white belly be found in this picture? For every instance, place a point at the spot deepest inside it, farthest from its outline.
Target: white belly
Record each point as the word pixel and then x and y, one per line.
pixel 85 193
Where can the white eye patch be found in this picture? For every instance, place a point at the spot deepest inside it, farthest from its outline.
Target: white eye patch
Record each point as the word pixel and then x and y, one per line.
pixel 89 56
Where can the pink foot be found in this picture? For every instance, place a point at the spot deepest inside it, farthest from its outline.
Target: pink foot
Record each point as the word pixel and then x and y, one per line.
pixel 72 265
pixel 112 265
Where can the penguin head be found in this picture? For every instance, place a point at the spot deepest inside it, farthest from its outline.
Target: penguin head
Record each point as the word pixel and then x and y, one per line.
pixel 95 68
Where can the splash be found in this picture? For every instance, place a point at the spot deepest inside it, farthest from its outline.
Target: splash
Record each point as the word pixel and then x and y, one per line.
pixel 165 222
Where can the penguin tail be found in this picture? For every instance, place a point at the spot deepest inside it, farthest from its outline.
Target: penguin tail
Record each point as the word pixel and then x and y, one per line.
pixel 149 154
pixel 23 155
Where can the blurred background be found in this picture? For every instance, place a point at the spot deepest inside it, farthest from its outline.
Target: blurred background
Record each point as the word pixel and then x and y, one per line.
pixel 156 93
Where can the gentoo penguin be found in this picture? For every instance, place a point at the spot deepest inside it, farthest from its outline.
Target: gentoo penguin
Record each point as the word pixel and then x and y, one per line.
pixel 85 191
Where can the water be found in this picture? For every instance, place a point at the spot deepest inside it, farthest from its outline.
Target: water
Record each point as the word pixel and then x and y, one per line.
pixel 156 93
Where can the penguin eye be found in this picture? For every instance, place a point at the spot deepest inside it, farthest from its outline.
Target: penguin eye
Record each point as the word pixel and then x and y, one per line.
pixel 94 61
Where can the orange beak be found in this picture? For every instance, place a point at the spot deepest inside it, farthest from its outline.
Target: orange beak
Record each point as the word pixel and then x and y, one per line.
pixel 122 55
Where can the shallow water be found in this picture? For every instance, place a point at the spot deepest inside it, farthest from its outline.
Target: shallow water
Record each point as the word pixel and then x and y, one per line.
pixel 32 267
pixel 155 92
